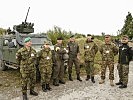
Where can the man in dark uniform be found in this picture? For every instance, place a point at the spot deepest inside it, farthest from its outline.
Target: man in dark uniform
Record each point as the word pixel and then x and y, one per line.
pixel 125 56
pixel 58 68
pixel 25 58
pixel 73 51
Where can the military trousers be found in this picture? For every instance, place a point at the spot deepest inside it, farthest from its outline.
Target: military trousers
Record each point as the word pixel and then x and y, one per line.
pixel 123 70
pixel 76 63
pixel 104 66
pixel 45 72
pixel 28 77
pixel 58 71
pixel 89 66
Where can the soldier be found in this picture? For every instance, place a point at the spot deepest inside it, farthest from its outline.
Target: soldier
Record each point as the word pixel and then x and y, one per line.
pixel 73 49
pixel 45 66
pixel 25 58
pixel 125 56
pixel 108 51
pixel 90 51
pixel 58 68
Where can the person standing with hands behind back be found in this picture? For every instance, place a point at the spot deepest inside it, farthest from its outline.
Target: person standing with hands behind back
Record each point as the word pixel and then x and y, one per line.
pixel 90 49
pixel 45 66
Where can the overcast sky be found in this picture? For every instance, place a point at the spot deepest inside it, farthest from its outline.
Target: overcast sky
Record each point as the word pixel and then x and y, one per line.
pixel 82 16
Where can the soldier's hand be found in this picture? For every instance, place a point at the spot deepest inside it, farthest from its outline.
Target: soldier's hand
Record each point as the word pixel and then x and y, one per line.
pixel 57 48
pixel 66 50
pixel 78 57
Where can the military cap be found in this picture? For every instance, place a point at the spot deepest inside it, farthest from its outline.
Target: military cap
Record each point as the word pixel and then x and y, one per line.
pixel 125 36
pixel 71 36
pixel 88 34
pixel 59 38
pixel 27 39
pixel 46 42
pixel 107 35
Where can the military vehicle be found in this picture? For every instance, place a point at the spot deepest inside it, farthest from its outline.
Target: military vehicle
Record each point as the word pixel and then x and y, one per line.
pixel 13 40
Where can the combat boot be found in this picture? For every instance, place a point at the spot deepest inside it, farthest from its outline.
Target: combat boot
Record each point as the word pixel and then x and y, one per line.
pixel 88 77
pixel 48 87
pixel 70 77
pixel 78 77
pixel 44 89
pixel 119 83
pixel 111 83
pixel 123 86
pixel 55 83
pixel 92 79
pixel 101 81
pixel 25 96
pixel 32 92
pixel 61 81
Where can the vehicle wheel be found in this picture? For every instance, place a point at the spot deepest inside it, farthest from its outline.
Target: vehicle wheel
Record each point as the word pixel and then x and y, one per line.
pixel 3 67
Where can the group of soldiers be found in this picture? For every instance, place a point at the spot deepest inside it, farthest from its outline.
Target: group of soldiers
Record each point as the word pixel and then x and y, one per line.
pixel 51 63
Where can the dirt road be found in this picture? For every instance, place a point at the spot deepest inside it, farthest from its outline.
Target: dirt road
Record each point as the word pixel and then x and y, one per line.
pixel 76 90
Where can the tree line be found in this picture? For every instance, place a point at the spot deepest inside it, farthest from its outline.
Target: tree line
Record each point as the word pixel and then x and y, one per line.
pixel 127 29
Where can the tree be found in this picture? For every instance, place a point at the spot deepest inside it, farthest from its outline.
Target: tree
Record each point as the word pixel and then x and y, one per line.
pixel 128 26
pixel 58 32
pixel 2 31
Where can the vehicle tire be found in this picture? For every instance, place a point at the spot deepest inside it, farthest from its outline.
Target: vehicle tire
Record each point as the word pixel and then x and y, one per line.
pixel 3 67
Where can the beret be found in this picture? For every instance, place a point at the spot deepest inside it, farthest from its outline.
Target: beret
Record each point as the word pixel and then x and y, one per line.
pixel 27 39
pixel 59 38
pixel 71 36
pixel 46 42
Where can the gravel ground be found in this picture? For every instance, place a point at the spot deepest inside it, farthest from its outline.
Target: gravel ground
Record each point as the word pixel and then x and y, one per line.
pixel 76 90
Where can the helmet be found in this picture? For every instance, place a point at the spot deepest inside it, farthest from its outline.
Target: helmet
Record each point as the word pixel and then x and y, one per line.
pixel 65 56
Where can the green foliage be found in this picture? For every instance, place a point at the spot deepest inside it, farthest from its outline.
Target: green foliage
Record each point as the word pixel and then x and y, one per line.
pixel 99 37
pixel 78 35
pixel 2 31
pixel 128 26
pixel 58 32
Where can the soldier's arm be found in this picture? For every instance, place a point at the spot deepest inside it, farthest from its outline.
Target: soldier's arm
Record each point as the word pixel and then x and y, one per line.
pixel 18 57
pixel 63 51
pixel 35 59
pixel 130 53
pixel 95 48
pixel 38 57
pixel 60 50
pixel 115 50
pixel 67 47
pixel 101 49
pixel 78 51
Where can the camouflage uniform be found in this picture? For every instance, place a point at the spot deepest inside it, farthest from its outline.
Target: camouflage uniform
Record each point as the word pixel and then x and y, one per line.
pixel 125 56
pixel 108 52
pixel 73 49
pixel 25 60
pixel 90 51
pixel 58 68
pixel 45 65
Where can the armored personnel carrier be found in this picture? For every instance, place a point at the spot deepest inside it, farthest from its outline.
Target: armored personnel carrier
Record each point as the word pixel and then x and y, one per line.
pixel 13 40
